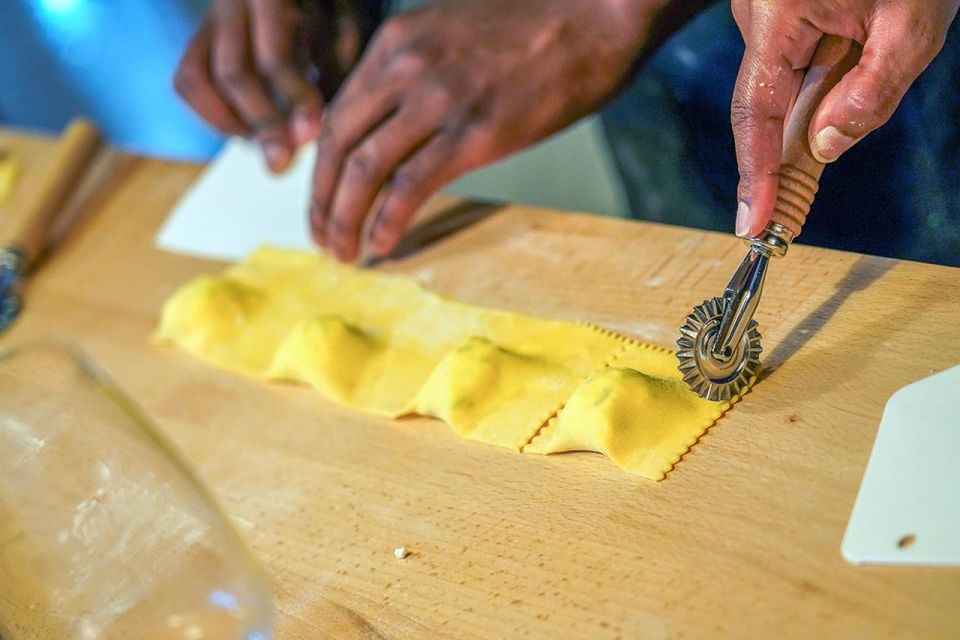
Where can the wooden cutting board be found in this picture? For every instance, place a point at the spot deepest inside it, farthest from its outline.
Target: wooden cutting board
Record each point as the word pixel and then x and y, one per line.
pixel 742 539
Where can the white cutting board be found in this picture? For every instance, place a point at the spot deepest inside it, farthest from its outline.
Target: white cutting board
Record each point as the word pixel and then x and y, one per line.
pixel 237 205
pixel 908 508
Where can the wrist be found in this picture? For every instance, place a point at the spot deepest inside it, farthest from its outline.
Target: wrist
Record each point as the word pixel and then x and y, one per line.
pixel 649 22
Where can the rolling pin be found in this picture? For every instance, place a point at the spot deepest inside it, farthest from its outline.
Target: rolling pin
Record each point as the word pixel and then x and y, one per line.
pixel 25 233
pixel 719 343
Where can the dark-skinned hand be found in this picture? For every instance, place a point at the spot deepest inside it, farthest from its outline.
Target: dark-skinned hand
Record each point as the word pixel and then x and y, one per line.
pixel 899 38
pixel 456 85
pixel 256 68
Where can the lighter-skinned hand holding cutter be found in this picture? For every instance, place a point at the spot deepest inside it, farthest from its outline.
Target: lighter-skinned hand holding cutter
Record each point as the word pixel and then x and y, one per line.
pixel 899 37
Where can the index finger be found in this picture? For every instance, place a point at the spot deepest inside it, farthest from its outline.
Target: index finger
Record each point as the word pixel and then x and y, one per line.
pixel 779 48
pixel 276 24
pixel 193 82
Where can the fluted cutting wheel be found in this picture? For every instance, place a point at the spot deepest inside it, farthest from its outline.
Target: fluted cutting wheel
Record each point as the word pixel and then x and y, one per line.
pixel 709 376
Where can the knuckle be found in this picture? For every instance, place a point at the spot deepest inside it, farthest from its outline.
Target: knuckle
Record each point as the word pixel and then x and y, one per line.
pixel 410 62
pixel 395 30
pixel 441 95
pixel 327 142
pixel 361 165
pixel 272 65
pixel 756 101
pixel 440 106
pixel 483 85
pixel 342 228
pixel 742 113
pixel 387 222
pixel 406 182
pixel 869 110
pixel 185 80
pixel 230 75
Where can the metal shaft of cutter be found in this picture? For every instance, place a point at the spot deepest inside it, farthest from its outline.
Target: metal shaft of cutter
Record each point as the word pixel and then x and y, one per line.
pixel 741 298
pixel 742 295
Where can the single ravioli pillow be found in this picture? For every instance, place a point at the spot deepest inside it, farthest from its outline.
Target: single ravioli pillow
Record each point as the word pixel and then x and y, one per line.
pixel 638 412
pixel 491 394
pixel 643 423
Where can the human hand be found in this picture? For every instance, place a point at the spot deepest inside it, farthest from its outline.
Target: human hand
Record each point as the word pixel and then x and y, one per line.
pixel 899 37
pixel 252 69
pixel 456 85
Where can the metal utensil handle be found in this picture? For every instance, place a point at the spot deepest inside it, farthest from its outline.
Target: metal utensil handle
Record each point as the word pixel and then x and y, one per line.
pixel 27 229
pixel 799 171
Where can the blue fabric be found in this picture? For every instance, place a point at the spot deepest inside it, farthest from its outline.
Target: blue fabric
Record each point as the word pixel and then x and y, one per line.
pixel 111 61
pixel 894 194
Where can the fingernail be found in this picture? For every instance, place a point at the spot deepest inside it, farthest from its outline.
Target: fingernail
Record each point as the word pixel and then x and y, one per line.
pixel 301 128
pixel 743 220
pixel 371 261
pixel 365 255
pixel 370 244
pixel 316 232
pixel 315 221
pixel 829 144
pixel 278 156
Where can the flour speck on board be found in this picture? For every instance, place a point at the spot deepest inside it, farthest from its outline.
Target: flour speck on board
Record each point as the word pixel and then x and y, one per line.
pixel 424 276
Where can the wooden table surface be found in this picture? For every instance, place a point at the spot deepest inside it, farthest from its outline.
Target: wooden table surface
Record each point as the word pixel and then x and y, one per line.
pixel 741 540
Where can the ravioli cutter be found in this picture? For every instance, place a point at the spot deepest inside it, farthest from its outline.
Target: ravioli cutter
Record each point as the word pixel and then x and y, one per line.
pixel 25 233
pixel 719 343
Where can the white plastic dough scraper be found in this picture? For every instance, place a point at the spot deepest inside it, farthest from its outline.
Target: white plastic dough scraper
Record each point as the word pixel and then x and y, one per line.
pixel 908 508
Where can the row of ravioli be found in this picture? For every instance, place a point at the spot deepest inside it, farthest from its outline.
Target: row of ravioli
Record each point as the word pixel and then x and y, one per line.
pixel 385 345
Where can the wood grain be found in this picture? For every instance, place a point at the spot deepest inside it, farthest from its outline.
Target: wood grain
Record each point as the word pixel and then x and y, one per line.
pixel 741 540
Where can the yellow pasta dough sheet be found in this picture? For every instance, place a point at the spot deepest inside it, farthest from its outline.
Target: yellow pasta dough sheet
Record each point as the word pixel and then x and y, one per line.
pixel 10 170
pixel 386 345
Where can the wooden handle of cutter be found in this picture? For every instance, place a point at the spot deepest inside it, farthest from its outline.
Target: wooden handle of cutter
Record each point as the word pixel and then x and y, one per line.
pixel 799 171
pixel 28 228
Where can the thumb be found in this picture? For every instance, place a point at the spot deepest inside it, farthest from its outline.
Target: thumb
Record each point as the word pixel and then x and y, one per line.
pixel 870 92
